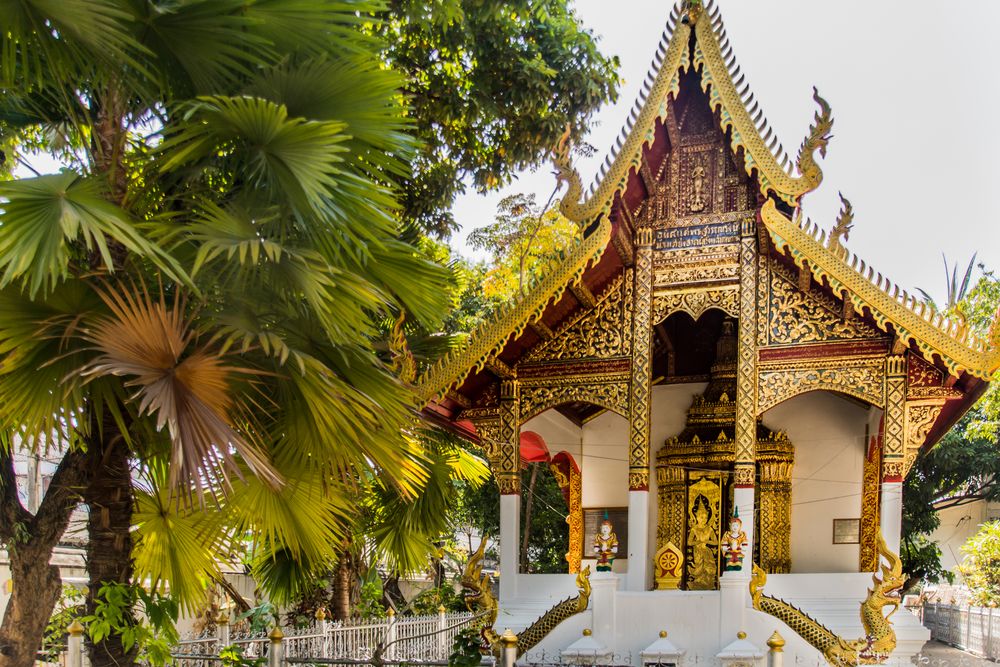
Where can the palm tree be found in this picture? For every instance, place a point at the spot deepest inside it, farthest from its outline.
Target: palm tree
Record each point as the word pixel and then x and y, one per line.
pixel 957 290
pixel 191 304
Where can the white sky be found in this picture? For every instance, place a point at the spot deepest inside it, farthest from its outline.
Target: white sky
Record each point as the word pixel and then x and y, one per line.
pixel 913 86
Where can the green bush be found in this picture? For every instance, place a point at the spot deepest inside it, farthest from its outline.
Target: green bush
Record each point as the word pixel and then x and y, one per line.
pixel 981 567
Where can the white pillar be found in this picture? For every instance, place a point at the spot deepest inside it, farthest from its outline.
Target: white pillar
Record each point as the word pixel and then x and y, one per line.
pixel 604 587
pixel 510 524
pixel 891 514
pixel 734 584
pixel 639 560
pixel 743 499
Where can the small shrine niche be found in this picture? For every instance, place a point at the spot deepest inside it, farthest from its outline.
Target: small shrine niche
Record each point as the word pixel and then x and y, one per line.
pixel 694 473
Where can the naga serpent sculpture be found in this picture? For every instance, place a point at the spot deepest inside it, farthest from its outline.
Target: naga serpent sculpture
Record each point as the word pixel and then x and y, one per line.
pixel 879 640
pixel 479 598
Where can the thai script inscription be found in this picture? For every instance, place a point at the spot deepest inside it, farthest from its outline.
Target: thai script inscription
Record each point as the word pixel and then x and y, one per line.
pixel 716 233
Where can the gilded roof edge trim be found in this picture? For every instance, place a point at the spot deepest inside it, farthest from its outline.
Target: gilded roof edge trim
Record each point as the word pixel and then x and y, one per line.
pixel 489 338
pixel 729 94
pixel 719 77
pixel 932 333
pixel 663 80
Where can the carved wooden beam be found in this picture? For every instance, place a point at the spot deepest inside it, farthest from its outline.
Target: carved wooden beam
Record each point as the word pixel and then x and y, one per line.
pixel 583 295
pixel 622 240
pixel 805 277
pixel 458 398
pixel 500 369
pixel 542 329
pixel 848 311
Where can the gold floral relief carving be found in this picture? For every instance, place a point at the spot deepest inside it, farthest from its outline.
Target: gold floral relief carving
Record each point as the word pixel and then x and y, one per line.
pixel 797 317
pixel 920 418
pixel 595 333
pixel 609 395
pixel 489 439
pixel 863 379
pixel 696 303
pixel 746 351
pixel 870 488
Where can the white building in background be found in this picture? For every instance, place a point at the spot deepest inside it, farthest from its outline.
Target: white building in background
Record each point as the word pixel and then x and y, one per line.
pixel 958 524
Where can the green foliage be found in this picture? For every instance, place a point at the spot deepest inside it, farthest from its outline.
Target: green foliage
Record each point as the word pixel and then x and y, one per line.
pixel 69 608
pixel 370 605
pixel 209 276
pixel 549 537
pixel 232 656
pixel 964 467
pixel 428 602
pixel 138 618
pixel 260 618
pixel 981 567
pixel 492 86
pixel 465 651
pixel 523 239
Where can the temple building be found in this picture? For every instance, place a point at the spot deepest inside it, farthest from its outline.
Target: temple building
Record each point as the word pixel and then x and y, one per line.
pixel 705 353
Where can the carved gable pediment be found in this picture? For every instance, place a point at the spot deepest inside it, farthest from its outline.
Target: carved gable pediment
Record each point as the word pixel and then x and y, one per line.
pixel 795 316
pixel 601 332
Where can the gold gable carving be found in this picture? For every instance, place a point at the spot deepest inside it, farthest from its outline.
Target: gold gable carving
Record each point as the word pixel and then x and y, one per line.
pixel 860 378
pixel 920 417
pixel 606 392
pixel 891 308
pixel 696 303
pixel 600 332
pixel 797 317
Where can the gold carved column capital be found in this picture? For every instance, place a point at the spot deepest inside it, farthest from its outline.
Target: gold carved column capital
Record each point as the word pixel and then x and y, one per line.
pixel 508 468
pixel 894 426
pixel 743 475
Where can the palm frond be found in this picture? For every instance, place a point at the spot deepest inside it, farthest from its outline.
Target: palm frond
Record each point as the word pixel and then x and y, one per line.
pixel 43 40
pixel 186 388
pixel 177 544
pixel 290 157
pixel 39 392
pixel 43 217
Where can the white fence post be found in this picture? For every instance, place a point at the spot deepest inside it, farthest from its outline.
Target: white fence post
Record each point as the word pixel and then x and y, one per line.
pixel 324 628
pixel 442 635
pixel 74 645
pixel 776 650
pixel 223 630
pixel 390 635
pixel 275 655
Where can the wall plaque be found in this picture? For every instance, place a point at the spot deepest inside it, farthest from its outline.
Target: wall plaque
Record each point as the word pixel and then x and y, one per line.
pixel 847 531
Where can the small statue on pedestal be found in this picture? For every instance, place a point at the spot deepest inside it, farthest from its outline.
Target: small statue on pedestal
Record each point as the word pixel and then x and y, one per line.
pixel 605 546
pixel 733 542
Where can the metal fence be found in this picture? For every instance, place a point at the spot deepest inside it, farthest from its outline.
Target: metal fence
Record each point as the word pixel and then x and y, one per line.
pixel 409 638
pixel 974 629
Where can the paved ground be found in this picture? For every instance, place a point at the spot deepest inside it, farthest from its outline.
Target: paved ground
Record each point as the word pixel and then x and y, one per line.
pixel 936 654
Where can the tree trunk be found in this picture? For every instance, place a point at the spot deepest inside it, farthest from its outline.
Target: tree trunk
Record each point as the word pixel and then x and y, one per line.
pixel 342 583
pixel 109 544
pixel 529 502
pixel 30 541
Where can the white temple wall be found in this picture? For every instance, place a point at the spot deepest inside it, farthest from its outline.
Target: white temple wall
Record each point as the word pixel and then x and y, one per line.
pixel 559 433
pixel 828 433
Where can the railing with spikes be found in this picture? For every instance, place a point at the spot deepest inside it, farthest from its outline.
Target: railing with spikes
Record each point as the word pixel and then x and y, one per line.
pixel 954 328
